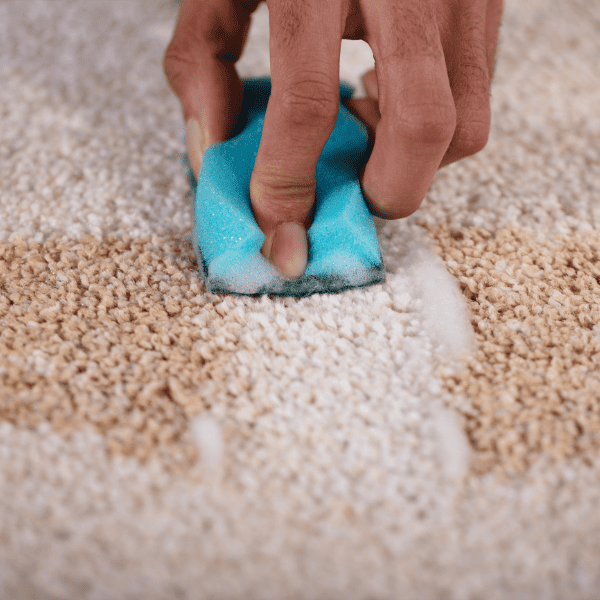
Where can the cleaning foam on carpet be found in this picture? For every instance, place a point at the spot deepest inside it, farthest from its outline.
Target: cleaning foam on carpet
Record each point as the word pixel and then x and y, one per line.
pixel 343 247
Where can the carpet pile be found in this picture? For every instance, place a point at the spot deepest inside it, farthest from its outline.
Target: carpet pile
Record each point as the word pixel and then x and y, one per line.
pixel 434 437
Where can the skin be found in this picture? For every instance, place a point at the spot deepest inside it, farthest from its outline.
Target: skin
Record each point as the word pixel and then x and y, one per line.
pixel 428 101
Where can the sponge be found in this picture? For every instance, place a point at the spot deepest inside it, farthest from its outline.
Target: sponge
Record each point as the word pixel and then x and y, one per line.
pixel 343 248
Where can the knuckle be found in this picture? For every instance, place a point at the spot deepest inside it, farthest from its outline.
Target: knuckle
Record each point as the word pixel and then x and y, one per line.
pixel 177 61
pixel 310 102
pixel 390 202
pixel 427 124
pixel 400 208
pixel 471 136
pixel 189 48
pixel 408 208
pixel 172 66
pixel 274 186
pixel 287 197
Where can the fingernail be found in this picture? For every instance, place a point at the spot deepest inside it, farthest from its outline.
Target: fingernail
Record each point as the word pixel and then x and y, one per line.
pixel 289 250
pixel 197 144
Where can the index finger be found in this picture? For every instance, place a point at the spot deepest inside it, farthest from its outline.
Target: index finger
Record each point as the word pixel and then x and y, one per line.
pixel 305 47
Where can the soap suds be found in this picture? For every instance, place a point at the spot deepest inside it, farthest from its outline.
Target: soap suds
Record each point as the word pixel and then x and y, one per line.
pixel 444 308
pixel 454 450
pixel 209 438
pixel 412 263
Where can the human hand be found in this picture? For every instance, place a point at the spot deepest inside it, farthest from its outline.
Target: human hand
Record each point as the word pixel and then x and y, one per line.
pixel 428 98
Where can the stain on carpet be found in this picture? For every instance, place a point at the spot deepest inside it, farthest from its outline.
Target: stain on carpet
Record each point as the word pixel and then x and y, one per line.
pixel 534 384
pixel 117 335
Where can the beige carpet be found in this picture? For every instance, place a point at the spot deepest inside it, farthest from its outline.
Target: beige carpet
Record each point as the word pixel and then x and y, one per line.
pixel 435 437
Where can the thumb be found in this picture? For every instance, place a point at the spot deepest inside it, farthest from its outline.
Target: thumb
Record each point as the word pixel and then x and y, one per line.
pixel 199 66
pixel 300 117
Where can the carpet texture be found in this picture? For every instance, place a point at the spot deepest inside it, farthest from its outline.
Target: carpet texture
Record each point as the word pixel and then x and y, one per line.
pixel 436 436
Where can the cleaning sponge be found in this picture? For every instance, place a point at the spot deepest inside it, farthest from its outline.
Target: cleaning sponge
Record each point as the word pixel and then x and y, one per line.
pixel 343 247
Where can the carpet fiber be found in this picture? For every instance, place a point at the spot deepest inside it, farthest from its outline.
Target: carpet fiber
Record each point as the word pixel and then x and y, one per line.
pixel 434 437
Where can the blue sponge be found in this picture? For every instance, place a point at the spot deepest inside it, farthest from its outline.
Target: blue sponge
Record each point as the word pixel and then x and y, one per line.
pixel 343 247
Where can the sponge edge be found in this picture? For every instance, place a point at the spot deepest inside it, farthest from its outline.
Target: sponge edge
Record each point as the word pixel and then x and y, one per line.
pixel 343 248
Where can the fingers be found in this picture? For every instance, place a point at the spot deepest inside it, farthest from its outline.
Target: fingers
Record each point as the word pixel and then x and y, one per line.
pixel 468 34
pixel 305 53
pixel 469 75
pixel 418 115
pixel 199 66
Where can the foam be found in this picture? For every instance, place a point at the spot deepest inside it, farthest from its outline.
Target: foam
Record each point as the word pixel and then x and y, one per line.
pixel 209 438
pixel 446 315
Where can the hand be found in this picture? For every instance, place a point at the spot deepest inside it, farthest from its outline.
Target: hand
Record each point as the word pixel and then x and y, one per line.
pixel 428 98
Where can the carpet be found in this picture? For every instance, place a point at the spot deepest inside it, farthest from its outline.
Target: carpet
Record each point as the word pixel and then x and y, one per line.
pixel 436 436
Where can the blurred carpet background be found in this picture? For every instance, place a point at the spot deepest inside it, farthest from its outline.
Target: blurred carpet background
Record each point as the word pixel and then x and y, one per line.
pixel 433 437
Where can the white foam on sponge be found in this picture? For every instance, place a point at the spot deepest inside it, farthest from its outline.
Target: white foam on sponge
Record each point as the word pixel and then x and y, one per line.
pixel 252 272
